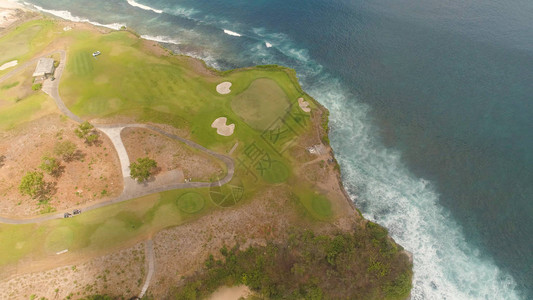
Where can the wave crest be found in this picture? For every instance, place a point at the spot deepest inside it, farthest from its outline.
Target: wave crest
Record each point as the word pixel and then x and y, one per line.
pixel 67 15
pixel 145 7
pixel 233 33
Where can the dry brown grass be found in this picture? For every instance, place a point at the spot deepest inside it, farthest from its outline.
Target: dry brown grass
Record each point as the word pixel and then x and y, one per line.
pixel 170 154
pixel 121 274
pixel 81 181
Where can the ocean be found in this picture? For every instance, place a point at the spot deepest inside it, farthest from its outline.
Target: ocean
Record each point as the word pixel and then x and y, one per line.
pixel 431 113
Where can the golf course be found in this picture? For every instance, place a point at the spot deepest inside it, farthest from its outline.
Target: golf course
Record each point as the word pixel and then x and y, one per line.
pixel 258 150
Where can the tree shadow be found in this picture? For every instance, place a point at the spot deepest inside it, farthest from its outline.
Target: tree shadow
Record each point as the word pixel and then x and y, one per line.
pixel 77 155
pixel 2 160
pixel 58 172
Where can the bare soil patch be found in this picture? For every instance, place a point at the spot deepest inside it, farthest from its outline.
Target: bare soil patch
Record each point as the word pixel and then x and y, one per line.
pixel 170 154
pixel 231 293
pixel 92 176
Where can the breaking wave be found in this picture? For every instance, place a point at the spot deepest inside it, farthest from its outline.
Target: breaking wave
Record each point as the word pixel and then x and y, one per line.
pixel 233 33
pixel 68 16
pixel 145 7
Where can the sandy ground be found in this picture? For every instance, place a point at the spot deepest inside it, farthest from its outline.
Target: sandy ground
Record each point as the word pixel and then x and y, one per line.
pixel 82 180
pixel 231 293
pixel 224 88
pixel 9 12
pixel 222 128
pixel 170 155
pixel 304 105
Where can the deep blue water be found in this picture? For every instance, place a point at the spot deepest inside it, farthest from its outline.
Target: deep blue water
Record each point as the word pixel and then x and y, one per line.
pixel 431 111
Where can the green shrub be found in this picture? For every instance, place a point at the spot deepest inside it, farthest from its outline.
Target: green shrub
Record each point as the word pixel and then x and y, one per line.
pixel 36 86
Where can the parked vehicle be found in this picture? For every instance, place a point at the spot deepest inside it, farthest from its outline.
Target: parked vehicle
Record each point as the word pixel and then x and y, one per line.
pixel 67 215
pixel 76 212
pixel 95 54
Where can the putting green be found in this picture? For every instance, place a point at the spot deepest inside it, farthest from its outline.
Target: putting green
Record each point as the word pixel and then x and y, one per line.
pixel 277 173
pixel 261 104
pixel 191 202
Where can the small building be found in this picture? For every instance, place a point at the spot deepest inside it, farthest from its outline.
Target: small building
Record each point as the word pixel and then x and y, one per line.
pixel 45 67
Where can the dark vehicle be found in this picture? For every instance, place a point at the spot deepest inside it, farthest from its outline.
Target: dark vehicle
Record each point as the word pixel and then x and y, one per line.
pixel 76 212
pixel 67 215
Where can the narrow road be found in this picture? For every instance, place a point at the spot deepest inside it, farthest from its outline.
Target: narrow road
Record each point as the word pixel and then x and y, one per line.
pixel 149 254
pixel 52 88
pixel 113 132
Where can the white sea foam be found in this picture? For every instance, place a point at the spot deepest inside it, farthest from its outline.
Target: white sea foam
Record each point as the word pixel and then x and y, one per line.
pixel 268 45
pixel 233 33
pixel 145 7
pixel 182 12
pixel 68 16
pixel 161 39
pixel 445 265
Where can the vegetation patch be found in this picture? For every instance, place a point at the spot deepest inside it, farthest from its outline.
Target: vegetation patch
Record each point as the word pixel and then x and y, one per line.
pixel 9 85
pixel 191 202
pixel 308 267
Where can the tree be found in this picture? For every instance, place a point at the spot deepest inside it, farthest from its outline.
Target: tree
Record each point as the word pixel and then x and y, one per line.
pixel 50 165
pixel 86 131
pixel 66 149
pixel 142 168
pixel 33 184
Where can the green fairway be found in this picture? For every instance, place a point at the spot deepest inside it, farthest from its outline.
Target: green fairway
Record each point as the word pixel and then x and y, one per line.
pixel 261 104
pixel 99 230
pixel 32 107
pixel 191 202
pixel 277 173
pixel 58 239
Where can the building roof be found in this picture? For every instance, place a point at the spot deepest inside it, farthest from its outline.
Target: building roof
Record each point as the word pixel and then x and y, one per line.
pixel 44 66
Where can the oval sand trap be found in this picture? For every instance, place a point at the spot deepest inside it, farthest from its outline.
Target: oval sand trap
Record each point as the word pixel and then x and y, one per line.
pixel 9 65
pixel 223 88
pixel 222 128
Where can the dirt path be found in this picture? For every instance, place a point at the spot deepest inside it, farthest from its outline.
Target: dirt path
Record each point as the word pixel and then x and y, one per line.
pixel 132 189
pixel 149 254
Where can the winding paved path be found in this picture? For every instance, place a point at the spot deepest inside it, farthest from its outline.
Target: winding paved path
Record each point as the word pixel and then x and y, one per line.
pixel 132 189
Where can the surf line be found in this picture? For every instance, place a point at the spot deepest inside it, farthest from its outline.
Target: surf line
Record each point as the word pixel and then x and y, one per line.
pixel 233 33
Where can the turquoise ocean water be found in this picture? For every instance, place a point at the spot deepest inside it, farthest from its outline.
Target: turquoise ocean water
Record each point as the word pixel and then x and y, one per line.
pixel 431 112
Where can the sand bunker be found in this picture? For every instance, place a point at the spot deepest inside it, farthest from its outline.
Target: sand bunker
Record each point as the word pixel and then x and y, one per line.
pixel 231 293
pixel 9 65
pixel 222 128
pixel 304 105
pixel 223 88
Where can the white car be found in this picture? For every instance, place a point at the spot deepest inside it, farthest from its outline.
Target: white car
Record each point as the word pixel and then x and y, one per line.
pixel 95 54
